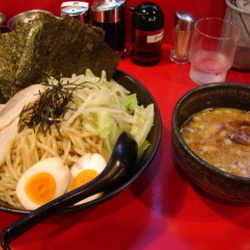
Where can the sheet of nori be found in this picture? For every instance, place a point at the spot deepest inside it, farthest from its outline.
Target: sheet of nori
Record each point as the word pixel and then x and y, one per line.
pixel 51 46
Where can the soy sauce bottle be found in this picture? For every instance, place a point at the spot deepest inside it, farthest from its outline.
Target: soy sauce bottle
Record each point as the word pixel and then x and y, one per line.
pixel 110 16
pixel 147 34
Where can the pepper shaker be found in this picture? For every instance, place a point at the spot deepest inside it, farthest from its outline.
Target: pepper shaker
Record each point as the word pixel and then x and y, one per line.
pixel 147 34
pixel 181 37
pixel 110 16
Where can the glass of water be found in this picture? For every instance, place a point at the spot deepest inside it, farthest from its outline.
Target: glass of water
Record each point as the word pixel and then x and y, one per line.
pixel 212 49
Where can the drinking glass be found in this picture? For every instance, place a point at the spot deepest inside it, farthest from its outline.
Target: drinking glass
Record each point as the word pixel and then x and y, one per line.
pixel 212 49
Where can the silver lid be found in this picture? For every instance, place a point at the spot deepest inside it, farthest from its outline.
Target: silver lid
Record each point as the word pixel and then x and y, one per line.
pixel 25 17
pixel 74 8
pixel 108 11
pixel 184 20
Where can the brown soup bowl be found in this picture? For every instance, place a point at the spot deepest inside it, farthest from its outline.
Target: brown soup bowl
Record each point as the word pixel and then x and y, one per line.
pixel 215 182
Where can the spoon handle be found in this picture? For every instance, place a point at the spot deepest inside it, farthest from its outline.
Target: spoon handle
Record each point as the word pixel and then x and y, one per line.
pixel 25 223
pixel 124 156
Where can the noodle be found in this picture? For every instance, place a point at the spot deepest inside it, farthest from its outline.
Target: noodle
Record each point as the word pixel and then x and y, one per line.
pixel 30 147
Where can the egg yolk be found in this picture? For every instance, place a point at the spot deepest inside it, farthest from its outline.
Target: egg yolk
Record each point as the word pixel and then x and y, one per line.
pixel 41 188
pixel 83 177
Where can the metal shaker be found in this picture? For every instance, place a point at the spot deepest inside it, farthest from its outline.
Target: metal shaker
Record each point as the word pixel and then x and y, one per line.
pixel 110 16
pixel 181 37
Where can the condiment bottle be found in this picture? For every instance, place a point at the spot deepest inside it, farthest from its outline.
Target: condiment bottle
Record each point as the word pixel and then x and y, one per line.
pixel 110 16
pixel 78 10
pixel 181 37
pixel 147 33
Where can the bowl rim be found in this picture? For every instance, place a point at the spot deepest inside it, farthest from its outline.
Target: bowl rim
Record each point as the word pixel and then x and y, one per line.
pixel 177 134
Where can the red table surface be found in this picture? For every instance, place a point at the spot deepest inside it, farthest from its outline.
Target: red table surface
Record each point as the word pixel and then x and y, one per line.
pixel 161 209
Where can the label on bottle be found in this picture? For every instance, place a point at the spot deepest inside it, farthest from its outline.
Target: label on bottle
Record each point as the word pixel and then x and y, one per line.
pixel 155 38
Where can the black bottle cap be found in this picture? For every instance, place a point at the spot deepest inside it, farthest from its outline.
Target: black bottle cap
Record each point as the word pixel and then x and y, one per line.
pixel 148 17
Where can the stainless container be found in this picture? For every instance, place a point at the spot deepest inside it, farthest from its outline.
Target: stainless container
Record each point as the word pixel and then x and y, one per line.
pixel 24 17
pixel 241 18
pixel 2 18
pixel 78 10
pixel 181 36
pixel 3 28
pixel 110 16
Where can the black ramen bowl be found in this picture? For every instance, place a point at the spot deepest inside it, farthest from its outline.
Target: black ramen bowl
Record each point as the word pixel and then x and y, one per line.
pixel 216 183
pixel 154 137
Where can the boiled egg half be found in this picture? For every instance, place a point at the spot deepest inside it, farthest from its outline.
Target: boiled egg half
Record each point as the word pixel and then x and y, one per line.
pixel 43 182
pixel 84 170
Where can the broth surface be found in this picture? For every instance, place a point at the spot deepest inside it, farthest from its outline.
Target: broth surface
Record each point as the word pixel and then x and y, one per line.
pixel 221 137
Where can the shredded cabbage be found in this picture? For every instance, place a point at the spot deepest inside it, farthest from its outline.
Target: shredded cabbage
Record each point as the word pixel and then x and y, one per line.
pixel 108 109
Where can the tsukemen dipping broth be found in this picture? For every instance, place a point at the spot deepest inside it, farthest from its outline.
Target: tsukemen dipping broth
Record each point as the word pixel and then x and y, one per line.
pixel 221 137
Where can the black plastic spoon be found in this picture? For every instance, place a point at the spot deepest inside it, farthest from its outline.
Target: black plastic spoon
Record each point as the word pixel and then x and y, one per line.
pixel 123 157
